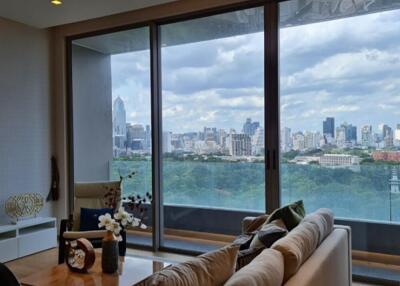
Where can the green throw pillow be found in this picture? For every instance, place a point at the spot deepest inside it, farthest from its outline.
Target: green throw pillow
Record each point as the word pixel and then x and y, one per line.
pixel 291 214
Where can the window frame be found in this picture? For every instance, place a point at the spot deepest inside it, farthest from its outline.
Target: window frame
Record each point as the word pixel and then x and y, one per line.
pixel 363 237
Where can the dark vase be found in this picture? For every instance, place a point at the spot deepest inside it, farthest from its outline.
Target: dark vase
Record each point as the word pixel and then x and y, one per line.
pixel 109 255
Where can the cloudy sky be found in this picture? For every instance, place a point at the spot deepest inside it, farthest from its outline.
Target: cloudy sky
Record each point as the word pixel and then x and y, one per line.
pixel 348 69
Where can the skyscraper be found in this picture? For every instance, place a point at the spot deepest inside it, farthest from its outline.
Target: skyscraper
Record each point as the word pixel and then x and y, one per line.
pixel 250 127
pixel 298 141
pixel 167 144
pixel 366 136
pixel 119 123
pixel 286 143
pixel 397 135
pixel 328 127
pixel 257 142
pixel 240 145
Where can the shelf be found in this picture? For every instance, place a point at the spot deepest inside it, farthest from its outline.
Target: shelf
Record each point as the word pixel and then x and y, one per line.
pixel 8 234
pixel 27 237
pixel 36 228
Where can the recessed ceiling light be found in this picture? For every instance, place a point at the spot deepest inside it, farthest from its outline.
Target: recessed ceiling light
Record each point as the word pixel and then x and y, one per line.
pixel 56 2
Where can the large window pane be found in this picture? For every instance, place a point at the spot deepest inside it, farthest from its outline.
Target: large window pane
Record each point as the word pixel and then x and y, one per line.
pixel 340 137
pixel 213 128
pixel 112 112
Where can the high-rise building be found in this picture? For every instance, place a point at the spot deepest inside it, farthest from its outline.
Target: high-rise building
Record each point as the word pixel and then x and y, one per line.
pixel 328 127
pixel 138 131
pixel 286 142
pixel 351 133
pixel 387 135
pixel 309 140
pixel 147 138
pixel 346 135
pixel 386 130
pixel 119 123
pixel 367 138
pixel 298 141
pixel 167 139
pixel 250 127
pixel 240 145
pixel 396 136
pixel 341 136
pixel 257 141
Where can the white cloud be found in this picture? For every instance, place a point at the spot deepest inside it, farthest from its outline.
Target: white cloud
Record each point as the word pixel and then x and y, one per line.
pixel 339 109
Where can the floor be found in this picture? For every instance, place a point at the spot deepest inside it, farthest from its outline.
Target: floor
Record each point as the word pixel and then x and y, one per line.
pixel 30 264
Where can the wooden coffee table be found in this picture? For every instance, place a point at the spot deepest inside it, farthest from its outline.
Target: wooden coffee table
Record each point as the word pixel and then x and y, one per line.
pixel 131 271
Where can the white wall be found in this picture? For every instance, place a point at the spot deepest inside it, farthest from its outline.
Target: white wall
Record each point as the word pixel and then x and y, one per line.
pixel 92 107
pixel 25 147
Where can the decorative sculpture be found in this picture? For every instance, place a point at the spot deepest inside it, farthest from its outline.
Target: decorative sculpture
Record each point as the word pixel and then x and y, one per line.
pixel 80 255
pixel 24 205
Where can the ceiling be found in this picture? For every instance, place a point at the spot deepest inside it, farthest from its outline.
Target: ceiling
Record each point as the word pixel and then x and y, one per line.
pixel 42 14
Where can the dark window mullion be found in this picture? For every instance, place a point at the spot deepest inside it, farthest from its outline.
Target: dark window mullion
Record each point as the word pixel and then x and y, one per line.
pixel 271 105
pixel 156 122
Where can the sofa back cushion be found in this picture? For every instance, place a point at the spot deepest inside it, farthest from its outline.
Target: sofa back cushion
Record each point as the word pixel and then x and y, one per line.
pixel 324 219
pixel 211 268
pixel 297 246
pixel 266 269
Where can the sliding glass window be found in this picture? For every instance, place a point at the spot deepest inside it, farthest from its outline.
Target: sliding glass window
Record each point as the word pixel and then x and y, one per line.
pixel 340 95
pixel 112 113
pixel 213 125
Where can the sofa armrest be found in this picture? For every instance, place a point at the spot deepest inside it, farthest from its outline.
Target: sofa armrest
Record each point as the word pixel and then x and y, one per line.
pixel 348 230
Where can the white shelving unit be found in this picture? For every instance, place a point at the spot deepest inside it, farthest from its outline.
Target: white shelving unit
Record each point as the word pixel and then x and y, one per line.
pixel 27 237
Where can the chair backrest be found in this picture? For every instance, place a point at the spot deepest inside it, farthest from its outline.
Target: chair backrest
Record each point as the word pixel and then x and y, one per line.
pixel 7 277
pixel 95 195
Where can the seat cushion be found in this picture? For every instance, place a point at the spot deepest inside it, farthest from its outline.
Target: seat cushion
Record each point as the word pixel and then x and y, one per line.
pixel 89 218
pixel 324 219
pixel 290 214
pixel 266 269
pixel 297 246
pixel 212 268
pixel 268 234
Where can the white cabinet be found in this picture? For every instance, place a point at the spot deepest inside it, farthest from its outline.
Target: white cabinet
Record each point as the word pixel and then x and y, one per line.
pixel 27 237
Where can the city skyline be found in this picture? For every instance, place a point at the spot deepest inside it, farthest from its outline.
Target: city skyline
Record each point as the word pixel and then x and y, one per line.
pixel 349 74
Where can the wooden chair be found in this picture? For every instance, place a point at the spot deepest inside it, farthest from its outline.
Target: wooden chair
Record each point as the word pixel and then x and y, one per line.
pixel 90 195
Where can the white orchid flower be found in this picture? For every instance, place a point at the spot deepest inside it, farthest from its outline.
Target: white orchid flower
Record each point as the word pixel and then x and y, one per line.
pixel 114 227
pixel 123 216
pixel 135 222
pixel 105 220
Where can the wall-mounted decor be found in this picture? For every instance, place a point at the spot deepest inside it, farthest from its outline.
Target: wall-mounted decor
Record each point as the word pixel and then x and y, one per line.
pixel 24 205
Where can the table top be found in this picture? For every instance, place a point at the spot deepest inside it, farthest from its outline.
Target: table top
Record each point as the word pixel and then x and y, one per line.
pixel 131 270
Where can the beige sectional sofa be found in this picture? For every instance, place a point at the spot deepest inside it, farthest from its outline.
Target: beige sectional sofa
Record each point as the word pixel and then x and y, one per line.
pixel 328 265
pixel 313 253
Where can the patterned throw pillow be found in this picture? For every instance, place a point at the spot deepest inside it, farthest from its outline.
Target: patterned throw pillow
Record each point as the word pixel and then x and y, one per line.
pixel 290 214
pixel 268 234
pixel 244 240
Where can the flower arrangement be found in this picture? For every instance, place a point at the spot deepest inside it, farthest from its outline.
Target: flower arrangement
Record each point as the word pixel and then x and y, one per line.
pixel 121 220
